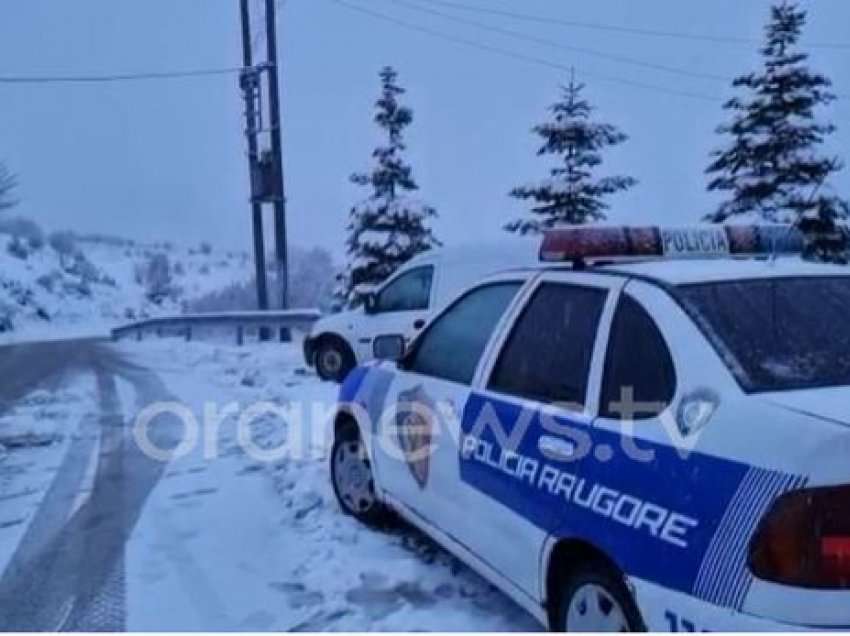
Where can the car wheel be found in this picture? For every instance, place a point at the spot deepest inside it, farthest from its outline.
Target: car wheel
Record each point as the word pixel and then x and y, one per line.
pixel 333 360
pixel 595 598
pixel 351 476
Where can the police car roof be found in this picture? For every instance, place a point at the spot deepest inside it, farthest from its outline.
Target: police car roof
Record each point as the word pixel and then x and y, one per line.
pixel 683 272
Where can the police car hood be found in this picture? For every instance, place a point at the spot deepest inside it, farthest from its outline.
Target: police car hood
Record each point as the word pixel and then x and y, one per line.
pixel 830 404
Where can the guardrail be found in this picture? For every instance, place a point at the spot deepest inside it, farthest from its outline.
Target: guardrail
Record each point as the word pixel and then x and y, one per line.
pixel 279 323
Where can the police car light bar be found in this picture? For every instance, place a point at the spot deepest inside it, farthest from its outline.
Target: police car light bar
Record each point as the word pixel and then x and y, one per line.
pixel 707 241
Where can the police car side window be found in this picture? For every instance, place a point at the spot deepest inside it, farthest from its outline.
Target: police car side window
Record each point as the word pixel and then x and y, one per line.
pixel 453 344
pixel 638 360
pixel 548 354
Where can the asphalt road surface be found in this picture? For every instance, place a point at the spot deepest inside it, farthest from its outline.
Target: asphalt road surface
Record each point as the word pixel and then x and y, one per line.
pixel 68 571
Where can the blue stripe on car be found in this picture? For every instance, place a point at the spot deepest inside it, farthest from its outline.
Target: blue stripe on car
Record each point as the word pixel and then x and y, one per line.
pixel 725 498
pixel 351 385
pixel 724 578
pixel 367 387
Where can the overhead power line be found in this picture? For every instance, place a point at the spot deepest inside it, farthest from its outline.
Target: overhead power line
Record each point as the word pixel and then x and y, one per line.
pixel 598 26
pixel 531 59
pixel 118 77
pixel 565 47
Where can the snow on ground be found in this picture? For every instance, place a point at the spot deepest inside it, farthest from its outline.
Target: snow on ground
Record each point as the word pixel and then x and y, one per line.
pixel 233 542
pixel 101 283
pixel 34 439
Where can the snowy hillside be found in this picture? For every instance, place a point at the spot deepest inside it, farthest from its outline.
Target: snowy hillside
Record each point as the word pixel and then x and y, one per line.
pixel 70 285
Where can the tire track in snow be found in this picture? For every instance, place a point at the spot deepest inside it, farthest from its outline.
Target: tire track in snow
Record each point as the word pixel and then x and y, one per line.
pixel 68 572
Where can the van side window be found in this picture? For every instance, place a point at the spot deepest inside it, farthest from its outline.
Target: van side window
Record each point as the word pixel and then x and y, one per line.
pixel 638 361
pixel 452 346
pixel 548 354
pixel 409 292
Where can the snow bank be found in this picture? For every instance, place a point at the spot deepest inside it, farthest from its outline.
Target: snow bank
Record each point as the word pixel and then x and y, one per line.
pixel 265 543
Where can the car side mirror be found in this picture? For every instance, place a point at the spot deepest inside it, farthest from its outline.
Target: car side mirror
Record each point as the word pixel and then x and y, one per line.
pixel 370 303
pixel 390 347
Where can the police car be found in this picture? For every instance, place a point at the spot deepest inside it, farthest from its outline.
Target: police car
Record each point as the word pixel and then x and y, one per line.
pixel 650 430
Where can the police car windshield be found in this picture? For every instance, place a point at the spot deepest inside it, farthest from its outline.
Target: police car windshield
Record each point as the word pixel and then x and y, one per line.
pixel 777 334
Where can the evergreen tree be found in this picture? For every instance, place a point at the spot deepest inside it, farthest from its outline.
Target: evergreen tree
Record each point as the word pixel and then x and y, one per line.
pixel 571 195
pixel 389 227
pixel 772 168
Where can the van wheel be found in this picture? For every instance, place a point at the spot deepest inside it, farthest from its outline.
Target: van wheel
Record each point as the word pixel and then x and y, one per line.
pixel 595 598
pixel 333 360
pixel 352 479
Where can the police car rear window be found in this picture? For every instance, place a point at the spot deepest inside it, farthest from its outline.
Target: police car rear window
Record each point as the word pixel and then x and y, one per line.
pixel 640 378
pixel 547 356
pixel 780 333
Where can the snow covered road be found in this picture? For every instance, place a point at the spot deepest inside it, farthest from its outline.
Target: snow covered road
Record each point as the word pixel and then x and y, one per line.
pixel 232 533
pixel 67 569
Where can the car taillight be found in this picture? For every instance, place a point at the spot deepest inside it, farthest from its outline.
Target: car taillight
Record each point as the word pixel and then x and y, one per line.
pixel 804 540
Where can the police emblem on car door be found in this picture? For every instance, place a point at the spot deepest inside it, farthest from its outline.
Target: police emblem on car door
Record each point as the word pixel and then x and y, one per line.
pixel 415 429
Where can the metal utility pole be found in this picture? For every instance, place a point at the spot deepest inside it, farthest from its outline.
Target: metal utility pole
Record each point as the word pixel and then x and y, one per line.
pixel 277 152
pixel 249 81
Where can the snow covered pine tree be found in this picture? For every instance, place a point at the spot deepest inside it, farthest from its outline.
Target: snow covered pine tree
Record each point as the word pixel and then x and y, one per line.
pixel 772 170
pixel 570 196
pixel 390 227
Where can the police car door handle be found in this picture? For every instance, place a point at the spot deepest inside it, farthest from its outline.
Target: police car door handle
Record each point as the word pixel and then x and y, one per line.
pixel 556 448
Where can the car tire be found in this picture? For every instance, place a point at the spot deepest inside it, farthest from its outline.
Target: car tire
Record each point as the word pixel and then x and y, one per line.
pixel 334 360
pixel 352 479
pixel 594 598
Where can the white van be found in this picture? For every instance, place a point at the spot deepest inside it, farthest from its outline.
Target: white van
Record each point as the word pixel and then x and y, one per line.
pixel 405 301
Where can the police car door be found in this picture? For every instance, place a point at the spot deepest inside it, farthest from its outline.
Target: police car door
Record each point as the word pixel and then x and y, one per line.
pixel 416 451
pixel 659 501
pixel 526 430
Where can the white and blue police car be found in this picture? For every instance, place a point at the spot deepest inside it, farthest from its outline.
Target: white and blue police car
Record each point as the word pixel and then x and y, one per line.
pixel 651 430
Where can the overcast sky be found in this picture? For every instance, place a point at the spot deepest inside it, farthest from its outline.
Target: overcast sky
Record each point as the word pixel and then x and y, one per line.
pixel 165 159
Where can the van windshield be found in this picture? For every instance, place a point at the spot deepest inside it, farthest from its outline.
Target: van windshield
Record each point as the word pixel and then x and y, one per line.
pixel 779 333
